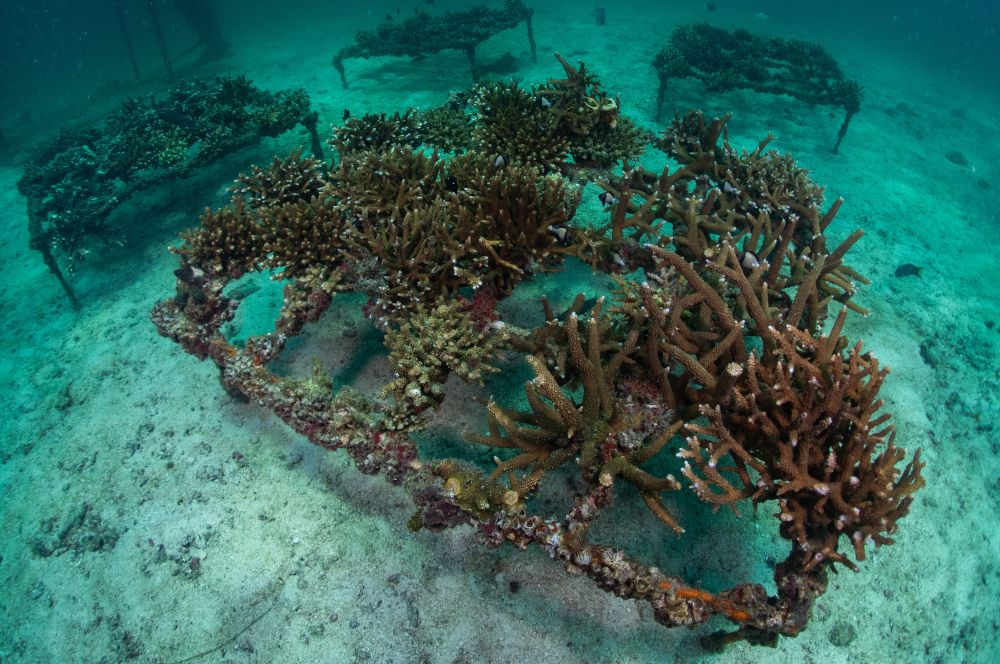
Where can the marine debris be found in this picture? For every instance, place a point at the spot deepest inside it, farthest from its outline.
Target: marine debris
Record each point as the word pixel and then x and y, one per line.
pixel 728 60
pixel 717 365
pixel 78 180
pixel 423 34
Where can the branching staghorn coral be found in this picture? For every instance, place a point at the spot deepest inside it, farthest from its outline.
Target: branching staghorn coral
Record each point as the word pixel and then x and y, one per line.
pixel 721 351
pixel 801 424
pixel 595 431
pixel 376 131
pixel 763 205
pixel 510 123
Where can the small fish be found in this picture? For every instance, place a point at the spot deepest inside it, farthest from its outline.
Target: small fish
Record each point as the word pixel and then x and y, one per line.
pixel 544 102
pixel 176 118
pixel 562 234
pixel 617 259
pixel 607 198
pixel 388 17
pixel 710 6
pixel 908 270
pixel 586 307
pixel 451 184
pixel 499 162
pixel 600 15
pixel 748 260
pixel 347 114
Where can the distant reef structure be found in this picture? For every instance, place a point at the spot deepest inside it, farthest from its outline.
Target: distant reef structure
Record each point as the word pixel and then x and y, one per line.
pixel 423 34
pixel 727 60
pixel 716 362
pixel 78 180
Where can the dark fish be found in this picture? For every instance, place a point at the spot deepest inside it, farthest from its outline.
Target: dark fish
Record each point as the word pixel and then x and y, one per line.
pixel 600 15
pixel 710 6
pixel 562 234
pixel 748 260
pixel 451 184
pixel 388 17
pixel 347 114
pixel 607 198
pixel 499 161
pixel 908 270
pixel 176 118
pixel 586 307
pixel 544 102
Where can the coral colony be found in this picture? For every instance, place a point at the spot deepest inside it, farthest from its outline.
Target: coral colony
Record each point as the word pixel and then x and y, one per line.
pixel 717 365
pixel 78 181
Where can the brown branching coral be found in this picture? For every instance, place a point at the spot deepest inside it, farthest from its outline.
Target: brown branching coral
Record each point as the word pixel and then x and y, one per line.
pixel 804 427
pixel 419 257
pixel 557 428
pixel 509 122
pixel 376 131
pixel 518 208
pixel 722 350
pixel 227 242
pixel 765 206
pixel 373 185
pixel 289 180
pixel 446 127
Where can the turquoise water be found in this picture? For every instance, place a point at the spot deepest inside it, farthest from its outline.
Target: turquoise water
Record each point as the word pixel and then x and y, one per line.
pixel 149 516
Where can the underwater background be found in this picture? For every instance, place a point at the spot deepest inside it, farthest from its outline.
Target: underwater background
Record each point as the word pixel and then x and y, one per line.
pixel 149 516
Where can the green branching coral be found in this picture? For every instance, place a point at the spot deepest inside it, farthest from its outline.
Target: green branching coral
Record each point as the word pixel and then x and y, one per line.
pixel 432 343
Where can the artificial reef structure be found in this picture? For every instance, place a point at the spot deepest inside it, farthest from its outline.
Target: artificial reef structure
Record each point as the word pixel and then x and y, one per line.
pixel 76 182
pixel 727 60
pixel 716 365
pixel 424 34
